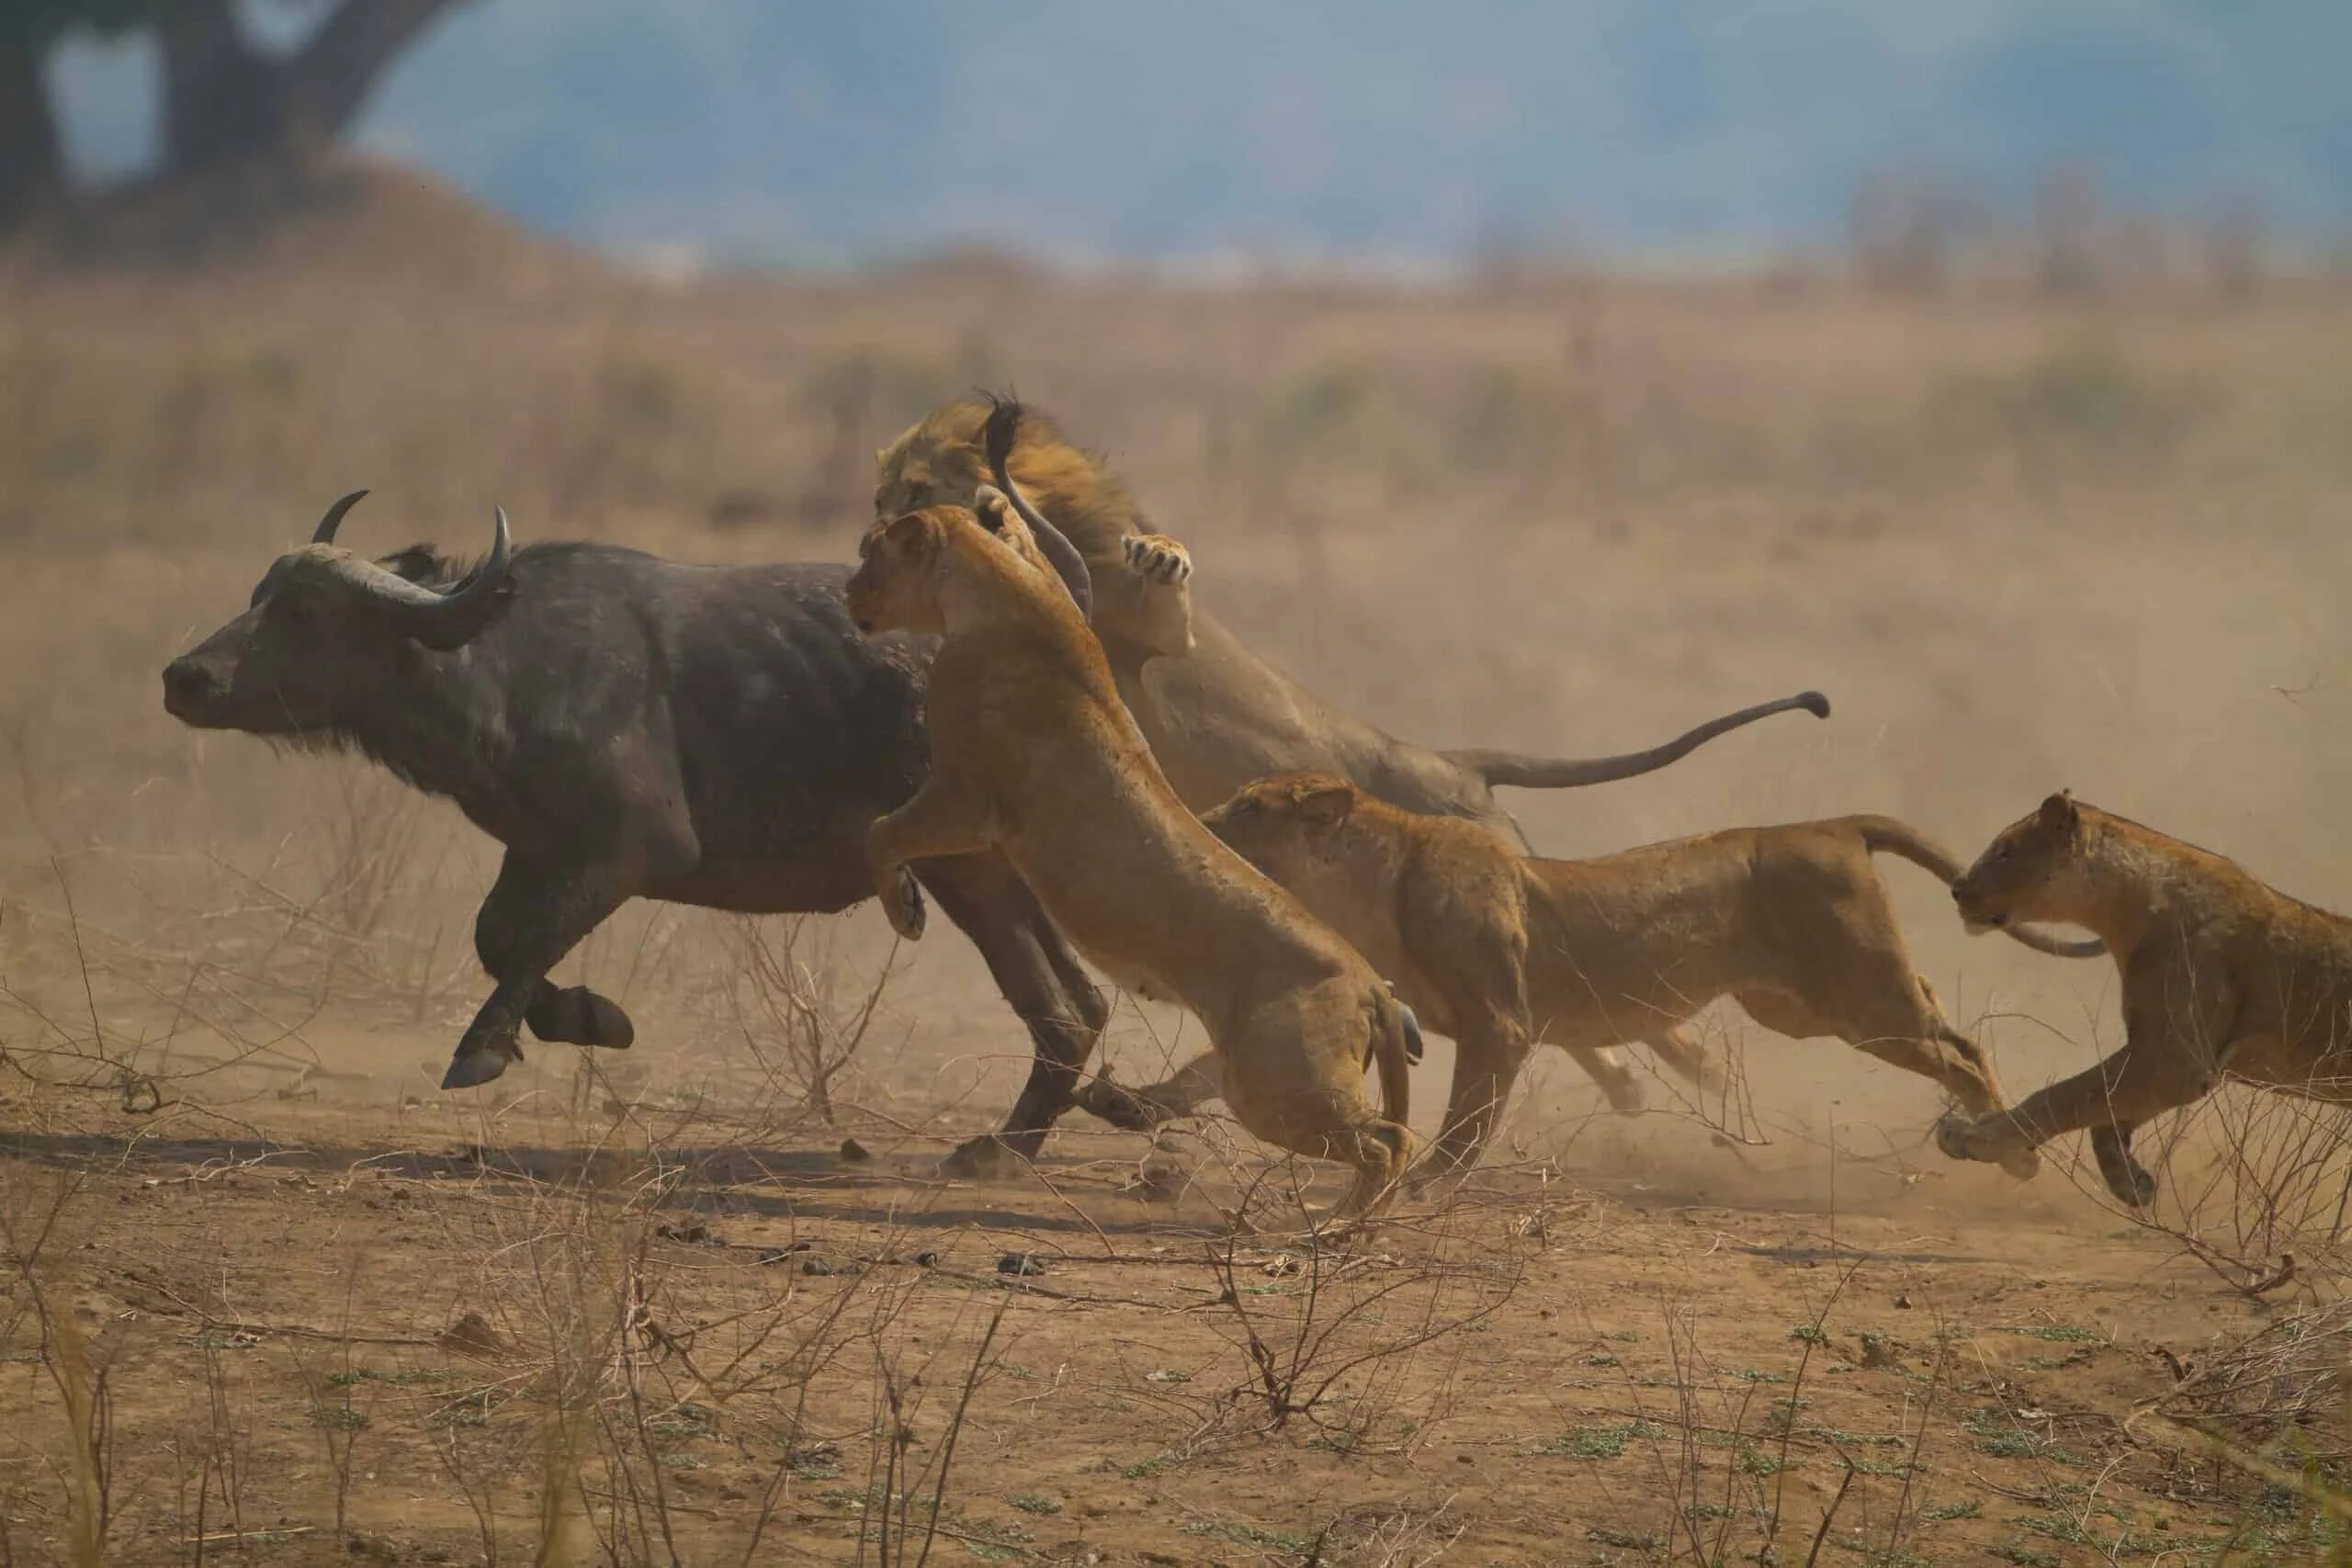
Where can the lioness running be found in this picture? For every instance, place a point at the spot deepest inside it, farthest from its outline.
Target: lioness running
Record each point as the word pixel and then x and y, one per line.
pixel 1502 950
pixel 2223 976
pixel 1032 754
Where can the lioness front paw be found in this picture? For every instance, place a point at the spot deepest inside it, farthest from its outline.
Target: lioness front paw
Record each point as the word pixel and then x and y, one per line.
pixel 1158 557
pixel 902 904
pixel 1962 1136
pixel 1952 1135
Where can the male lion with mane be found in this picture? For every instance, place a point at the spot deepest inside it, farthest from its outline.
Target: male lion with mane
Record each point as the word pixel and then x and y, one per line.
pixel 2223 976
pixel 1504 952
pixel 1032 754
pixel 1216 716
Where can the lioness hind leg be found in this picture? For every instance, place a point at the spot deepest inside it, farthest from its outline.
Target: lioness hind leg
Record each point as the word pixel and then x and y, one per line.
pixel 2125 1176
pixel 1380 1150
pixel 1686 1055
pixel 1617 1081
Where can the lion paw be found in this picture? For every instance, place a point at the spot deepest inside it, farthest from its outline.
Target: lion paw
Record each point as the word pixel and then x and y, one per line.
pixel 1952 1135
pixel 1159 559
pixel 902 903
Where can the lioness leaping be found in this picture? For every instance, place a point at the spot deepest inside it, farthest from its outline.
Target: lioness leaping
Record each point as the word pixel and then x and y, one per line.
pixel 1215 714
pixel 2223 976
pixel 1502 950
pixel 1032 754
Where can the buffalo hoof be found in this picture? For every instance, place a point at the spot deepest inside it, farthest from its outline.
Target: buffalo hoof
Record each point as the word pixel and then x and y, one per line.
pixel 902 904
pixel 469 1069
pixel 578 1016
pixel 983 1159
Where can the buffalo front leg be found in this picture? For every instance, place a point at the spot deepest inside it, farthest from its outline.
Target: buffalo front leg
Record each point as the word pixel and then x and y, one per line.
pixel 1039 976
pixel 535 914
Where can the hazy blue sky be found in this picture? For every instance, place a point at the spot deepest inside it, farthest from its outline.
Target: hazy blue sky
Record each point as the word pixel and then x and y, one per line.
pixel 798 129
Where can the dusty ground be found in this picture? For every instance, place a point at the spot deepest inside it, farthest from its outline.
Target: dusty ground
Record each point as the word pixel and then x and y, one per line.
pixel 1583 1360
pixel 2022 545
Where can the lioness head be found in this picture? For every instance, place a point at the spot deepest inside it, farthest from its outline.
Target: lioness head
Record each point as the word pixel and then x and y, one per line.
pixel 2030 872
pixel 898 581
pixel 1281 824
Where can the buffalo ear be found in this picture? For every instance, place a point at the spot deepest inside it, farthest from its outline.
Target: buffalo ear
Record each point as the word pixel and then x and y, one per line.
pixel 2059 813
pixel 1328 806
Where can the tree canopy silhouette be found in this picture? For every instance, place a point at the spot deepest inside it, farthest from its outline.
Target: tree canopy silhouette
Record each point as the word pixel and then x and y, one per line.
pixel 225 100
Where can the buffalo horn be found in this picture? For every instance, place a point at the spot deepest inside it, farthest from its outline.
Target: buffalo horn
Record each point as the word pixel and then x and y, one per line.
pixel 438 619
pixel 333 519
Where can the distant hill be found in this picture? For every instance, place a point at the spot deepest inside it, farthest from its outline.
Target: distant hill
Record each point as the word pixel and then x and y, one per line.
pixel 787 130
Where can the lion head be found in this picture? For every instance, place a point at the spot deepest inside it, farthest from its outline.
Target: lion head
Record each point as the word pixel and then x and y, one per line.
pixel 942 460
pixel 1278 823
pixel 2031 871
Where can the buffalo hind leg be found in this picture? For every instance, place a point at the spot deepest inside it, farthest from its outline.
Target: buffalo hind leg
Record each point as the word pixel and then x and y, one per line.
pixel 534 916
pixel 1040 978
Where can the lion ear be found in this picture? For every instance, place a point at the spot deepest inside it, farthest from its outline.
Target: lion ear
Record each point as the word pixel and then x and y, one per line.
pixel 914 534
pixel 881 457
pixel 2059 813
pixel 1328 806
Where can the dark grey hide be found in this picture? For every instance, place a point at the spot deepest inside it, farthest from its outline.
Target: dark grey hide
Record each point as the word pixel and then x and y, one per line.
pixel 627 726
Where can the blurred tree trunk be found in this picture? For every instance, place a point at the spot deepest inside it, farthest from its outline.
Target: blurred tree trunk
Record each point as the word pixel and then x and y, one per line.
pixel 32 169
pixel 226 102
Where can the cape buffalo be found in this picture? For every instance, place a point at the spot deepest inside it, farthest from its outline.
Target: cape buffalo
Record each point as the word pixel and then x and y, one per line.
pixel 625 726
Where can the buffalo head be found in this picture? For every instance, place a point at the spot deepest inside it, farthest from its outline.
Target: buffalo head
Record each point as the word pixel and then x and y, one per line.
pixel 326 628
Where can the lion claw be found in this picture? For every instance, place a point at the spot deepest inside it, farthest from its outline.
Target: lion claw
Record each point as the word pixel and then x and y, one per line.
pixel 1158 557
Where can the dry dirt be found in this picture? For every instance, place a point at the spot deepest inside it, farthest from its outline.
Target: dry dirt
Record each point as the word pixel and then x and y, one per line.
pixel 629 1317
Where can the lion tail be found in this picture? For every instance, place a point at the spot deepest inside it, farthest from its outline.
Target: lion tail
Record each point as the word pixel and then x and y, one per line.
pixel 1561 773
pixel 1889 835
pixel 1395 1045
